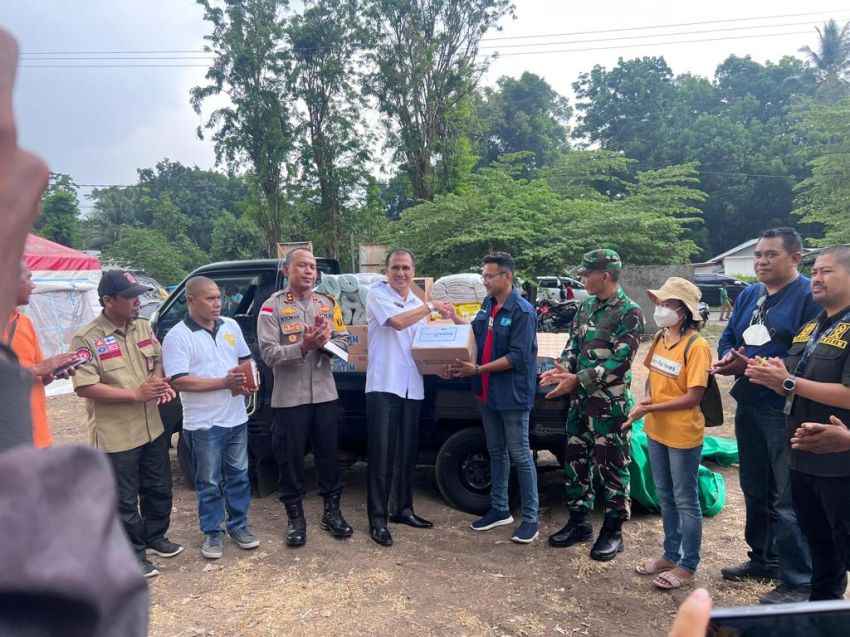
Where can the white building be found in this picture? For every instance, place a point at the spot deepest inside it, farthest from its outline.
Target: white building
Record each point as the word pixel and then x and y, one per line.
pixel 735 262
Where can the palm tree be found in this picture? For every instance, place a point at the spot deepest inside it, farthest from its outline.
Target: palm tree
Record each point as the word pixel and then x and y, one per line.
pixel 831 63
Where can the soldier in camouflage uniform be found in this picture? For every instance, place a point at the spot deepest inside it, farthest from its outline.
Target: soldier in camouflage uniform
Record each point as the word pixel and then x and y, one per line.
pixel 595 371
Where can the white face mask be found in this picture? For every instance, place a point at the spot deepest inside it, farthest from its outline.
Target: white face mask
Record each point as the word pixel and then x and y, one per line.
pixel 665 316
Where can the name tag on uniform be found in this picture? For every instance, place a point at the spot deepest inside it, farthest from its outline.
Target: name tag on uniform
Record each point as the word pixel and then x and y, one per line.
pixel 665 366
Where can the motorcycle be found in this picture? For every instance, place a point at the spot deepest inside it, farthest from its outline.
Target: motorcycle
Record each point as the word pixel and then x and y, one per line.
pixel 556 316
pixel 703 313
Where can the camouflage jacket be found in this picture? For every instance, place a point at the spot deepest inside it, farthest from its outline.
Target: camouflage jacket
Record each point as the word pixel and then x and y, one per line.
pixel 604 339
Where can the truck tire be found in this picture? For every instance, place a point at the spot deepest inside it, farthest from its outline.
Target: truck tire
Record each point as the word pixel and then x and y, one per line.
pixel 184 459
pixel 463 472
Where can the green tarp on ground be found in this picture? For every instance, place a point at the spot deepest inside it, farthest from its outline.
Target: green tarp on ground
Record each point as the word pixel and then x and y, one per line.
pixel 712 487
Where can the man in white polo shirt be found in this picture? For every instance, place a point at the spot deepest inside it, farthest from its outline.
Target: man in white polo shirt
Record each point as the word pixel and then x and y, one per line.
pixel 201 354
pixel 394 395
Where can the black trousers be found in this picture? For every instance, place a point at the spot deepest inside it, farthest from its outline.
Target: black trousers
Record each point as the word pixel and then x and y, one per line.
pixel 143 480
pixel 823 511
pixel 393 446
pixel 292 427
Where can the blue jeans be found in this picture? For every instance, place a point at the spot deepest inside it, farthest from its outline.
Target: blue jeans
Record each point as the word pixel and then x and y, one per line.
pixel 675 472
pixel 507 442
pixel 220 459
pixel 771 527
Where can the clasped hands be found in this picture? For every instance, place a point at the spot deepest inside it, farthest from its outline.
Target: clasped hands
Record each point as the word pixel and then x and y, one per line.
pixel 316 335
pixel 564 380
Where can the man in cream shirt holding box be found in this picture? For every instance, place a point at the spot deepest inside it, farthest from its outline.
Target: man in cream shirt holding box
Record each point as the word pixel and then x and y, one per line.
pixel 201 354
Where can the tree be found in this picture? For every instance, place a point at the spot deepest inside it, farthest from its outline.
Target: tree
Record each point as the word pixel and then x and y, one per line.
pixel 524 114
pixel 544 231
pixel 831 62
pixel 60 216
pixel 149 250
pixel 255 130
pixel 424 53
pixel 325 40
pixel 630 109
pixel 824 197
pixel 234 239
pixel 201 195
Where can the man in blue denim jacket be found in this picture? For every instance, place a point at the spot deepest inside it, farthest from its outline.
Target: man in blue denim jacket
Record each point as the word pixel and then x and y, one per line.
pixel 504 381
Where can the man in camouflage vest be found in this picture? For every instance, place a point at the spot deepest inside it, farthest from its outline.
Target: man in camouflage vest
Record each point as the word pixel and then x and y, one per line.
pixel 595 371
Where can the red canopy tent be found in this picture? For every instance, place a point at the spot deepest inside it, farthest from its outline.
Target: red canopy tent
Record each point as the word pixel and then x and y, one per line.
pixel 65 295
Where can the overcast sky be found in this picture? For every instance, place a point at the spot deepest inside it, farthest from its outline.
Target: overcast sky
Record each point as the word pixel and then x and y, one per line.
pixel 101 124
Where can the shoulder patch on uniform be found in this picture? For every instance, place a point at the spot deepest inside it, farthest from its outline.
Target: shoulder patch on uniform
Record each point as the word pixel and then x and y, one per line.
pixel 267 309
pixel 84 354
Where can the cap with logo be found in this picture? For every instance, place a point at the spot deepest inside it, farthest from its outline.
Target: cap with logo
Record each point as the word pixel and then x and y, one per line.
pixel 120 283
pixel 603 260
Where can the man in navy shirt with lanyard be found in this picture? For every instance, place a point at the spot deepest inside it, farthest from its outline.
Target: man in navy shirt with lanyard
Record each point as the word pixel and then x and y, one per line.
pixel 504 380
pixel 766 317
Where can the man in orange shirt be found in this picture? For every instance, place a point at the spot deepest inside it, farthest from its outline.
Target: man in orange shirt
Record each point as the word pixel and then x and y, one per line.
pixel 20 336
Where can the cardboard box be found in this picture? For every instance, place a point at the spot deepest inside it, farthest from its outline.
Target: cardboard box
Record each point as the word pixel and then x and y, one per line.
pixel 357 342
pixel 356 363
pixel 421 287
pixel 438 344
pixel 551 345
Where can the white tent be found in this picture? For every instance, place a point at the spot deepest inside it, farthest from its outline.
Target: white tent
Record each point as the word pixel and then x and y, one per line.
pixel 65 296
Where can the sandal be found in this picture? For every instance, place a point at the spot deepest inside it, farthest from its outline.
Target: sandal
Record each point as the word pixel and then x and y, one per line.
pixel 653 566
pixel 669 580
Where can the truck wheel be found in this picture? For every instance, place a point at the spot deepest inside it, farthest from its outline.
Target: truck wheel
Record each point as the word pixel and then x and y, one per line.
pixel 463 472
pixel 184 459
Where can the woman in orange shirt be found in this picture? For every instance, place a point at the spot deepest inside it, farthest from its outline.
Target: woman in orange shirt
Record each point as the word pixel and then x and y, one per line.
pixel 678 364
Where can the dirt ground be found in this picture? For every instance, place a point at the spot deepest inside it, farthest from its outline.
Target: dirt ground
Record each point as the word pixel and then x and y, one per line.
pixel 444 581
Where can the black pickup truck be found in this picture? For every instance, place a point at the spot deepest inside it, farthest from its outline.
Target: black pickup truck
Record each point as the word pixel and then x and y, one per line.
pixel 451 436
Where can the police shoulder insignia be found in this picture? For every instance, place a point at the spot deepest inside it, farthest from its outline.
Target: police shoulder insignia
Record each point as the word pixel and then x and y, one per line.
pixel 84 354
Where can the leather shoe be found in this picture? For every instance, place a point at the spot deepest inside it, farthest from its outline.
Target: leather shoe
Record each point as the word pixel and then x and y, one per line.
pixel 381 535
pixel 411 520
pixel 609 542
pixel 578 529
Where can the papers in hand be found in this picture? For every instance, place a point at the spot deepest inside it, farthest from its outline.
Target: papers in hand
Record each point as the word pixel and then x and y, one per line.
pixel 336 351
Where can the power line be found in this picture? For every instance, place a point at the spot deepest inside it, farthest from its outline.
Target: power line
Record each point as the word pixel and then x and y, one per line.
pixel 113 66
pixel 661 26
pixel 648 44
pixel 578 50
pixel 652 35
pixel 517 37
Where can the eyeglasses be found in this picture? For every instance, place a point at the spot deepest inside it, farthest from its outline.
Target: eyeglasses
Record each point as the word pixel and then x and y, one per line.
pixel 490 277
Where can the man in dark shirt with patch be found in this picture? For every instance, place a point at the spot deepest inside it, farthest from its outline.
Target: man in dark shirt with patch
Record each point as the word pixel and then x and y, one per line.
pixel 815 384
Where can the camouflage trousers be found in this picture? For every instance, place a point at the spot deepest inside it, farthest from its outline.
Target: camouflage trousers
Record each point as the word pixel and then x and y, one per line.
pixel 597 448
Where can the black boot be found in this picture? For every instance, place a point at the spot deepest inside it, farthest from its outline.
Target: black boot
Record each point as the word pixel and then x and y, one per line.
pixel 609 542
pixel 332 520
pixel 578 529
pixel 296 528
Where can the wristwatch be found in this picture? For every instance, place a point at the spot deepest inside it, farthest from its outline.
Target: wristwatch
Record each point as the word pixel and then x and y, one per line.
pixel 789 384
pixel 431 306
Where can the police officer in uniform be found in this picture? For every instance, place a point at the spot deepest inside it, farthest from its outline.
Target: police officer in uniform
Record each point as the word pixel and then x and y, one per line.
pixel 122 382
pixel 815 381
pixel 293 327
pixel 596 374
